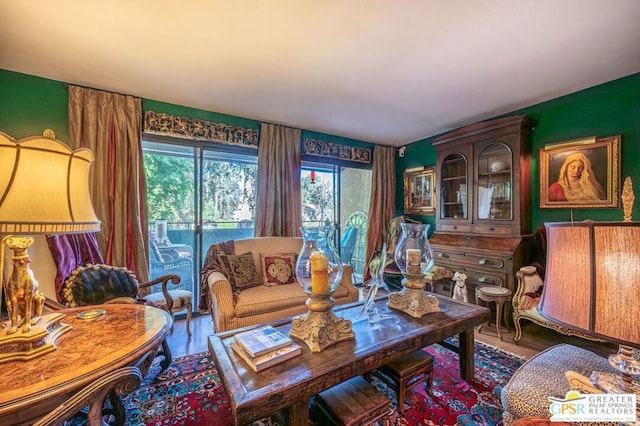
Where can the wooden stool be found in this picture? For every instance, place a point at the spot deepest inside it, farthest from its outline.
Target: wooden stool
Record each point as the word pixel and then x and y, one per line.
pixel 407 372
pixel 492 293
pixel 353 402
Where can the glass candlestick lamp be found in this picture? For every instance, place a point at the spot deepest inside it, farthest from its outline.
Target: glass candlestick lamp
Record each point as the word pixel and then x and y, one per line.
pixel 414 257
pixel 319 272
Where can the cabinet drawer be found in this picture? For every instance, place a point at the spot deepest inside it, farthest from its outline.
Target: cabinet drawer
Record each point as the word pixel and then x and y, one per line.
pixel 492 229
pixel 455 228
pixel 492 262
pixel 480 278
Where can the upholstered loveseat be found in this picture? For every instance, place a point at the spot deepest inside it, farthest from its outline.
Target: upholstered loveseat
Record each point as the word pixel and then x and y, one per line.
pixel 261 303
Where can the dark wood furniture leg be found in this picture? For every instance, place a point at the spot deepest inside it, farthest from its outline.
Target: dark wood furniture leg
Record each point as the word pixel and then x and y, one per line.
pixel 299 413
pixel 466 355
pixel 166 352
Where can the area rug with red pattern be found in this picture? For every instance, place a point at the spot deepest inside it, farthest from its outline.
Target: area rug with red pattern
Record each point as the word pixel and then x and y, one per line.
pixel 190 392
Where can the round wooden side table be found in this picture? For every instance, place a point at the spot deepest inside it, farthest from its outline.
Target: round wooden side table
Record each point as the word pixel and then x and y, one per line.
pixel 120 336
pixel 494 294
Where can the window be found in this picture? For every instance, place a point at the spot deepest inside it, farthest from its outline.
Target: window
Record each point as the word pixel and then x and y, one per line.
pixel 199 194
pixel 338 195
pixel 196 196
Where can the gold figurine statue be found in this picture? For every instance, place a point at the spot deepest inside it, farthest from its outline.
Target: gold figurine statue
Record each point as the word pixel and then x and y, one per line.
pixel 24 300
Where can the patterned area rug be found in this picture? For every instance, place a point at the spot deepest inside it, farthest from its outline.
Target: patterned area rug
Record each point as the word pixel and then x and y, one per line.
pixel 190 392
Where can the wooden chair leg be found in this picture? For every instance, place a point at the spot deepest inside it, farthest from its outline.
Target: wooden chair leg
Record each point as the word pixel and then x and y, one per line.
pixel 188 320
pixel 172 321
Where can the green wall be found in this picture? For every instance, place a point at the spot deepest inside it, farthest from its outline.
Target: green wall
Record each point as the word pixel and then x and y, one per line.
pixel 30 104
pixel 609 109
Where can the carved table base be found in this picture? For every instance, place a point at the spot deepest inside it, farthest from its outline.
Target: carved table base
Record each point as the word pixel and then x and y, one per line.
pixel 413 299
pixel 319 328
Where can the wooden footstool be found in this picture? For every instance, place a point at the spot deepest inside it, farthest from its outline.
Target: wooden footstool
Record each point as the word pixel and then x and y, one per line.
pixel 407 372
pixel 353 402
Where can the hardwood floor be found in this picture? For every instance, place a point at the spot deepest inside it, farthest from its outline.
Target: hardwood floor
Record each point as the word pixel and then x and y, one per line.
pixel 534 339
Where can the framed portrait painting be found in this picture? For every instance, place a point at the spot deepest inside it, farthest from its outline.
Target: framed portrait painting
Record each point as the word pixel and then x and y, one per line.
pixel 419 191
pixel 581 176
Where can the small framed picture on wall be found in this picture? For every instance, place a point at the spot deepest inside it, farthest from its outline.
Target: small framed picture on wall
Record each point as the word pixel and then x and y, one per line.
pixel 419 191
pixel 582 175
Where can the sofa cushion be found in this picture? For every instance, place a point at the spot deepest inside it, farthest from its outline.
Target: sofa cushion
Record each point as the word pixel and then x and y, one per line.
pixel 240 271
pixel 259 245
pixel 278 269
pixel 262 299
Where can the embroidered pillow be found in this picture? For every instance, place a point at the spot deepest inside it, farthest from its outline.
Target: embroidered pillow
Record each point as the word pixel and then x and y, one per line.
pixel 240 271
pixel 278 268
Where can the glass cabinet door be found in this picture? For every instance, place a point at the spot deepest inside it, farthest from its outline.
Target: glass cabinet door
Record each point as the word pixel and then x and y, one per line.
pixel 495 180
pixel 454 187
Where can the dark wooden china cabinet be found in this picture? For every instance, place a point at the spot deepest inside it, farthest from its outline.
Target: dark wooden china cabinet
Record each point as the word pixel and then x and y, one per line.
pixel 483 222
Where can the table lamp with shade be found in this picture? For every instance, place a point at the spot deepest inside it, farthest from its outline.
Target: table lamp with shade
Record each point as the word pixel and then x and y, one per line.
pixel 44 189
pixel 592 284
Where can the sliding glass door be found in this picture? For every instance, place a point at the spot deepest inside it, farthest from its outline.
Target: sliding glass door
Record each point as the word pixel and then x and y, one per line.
pixel 339 196
pixel 196 197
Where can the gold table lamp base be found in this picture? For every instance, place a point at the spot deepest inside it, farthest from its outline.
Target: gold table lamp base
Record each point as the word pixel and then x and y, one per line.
pixel 319 328
pixel 38 341
pixel 413 299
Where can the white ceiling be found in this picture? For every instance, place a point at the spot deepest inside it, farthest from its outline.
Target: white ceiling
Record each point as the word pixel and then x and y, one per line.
pixel 389 72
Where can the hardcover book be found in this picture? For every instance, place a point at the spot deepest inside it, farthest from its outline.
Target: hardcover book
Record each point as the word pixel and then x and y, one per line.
pixel 262 340
pixel 269 359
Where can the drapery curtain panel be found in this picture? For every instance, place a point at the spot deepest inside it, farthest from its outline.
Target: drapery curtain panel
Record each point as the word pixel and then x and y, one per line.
pixel 110 125
pixel 70 251
pixel 382 206
pixel 278 194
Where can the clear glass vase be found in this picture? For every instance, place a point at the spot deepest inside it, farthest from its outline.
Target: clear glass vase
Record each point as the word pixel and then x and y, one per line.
pixel 413 254
pixel 318 268
pixel 414 258
pixel 319 272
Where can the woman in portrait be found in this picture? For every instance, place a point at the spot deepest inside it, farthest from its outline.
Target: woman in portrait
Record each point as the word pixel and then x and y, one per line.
pixel 576 181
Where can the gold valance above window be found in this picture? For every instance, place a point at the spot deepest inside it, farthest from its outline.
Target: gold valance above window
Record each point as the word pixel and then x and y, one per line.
pixel 321 148
pixel 161 123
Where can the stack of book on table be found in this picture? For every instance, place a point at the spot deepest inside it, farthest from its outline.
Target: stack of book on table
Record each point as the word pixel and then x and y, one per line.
pixel 264 347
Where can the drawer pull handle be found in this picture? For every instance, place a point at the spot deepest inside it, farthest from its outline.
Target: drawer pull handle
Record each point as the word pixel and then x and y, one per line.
pixel 485 280
pixel 484 262
pixel 455 226
pixel 443 255
pixel 492 229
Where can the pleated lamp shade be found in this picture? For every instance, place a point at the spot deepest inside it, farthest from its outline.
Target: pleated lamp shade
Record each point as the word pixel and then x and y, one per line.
pixel 44 187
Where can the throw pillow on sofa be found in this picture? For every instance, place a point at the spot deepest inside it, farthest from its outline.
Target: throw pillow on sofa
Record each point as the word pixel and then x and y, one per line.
pixel 278 268
pixel 240 271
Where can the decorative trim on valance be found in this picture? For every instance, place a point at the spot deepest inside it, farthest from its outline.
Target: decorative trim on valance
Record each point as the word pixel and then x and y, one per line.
pixel 193 128
pixel 326 149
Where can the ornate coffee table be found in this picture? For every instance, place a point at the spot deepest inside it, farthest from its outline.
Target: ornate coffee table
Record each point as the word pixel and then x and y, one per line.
pixel 289 385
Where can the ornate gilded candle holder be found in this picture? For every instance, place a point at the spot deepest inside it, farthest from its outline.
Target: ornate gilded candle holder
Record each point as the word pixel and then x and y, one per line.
pixel 414 258
pixel 319 271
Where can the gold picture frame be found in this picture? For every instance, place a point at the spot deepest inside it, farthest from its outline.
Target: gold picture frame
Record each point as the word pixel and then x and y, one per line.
pixel 419 191
pixel 581 175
